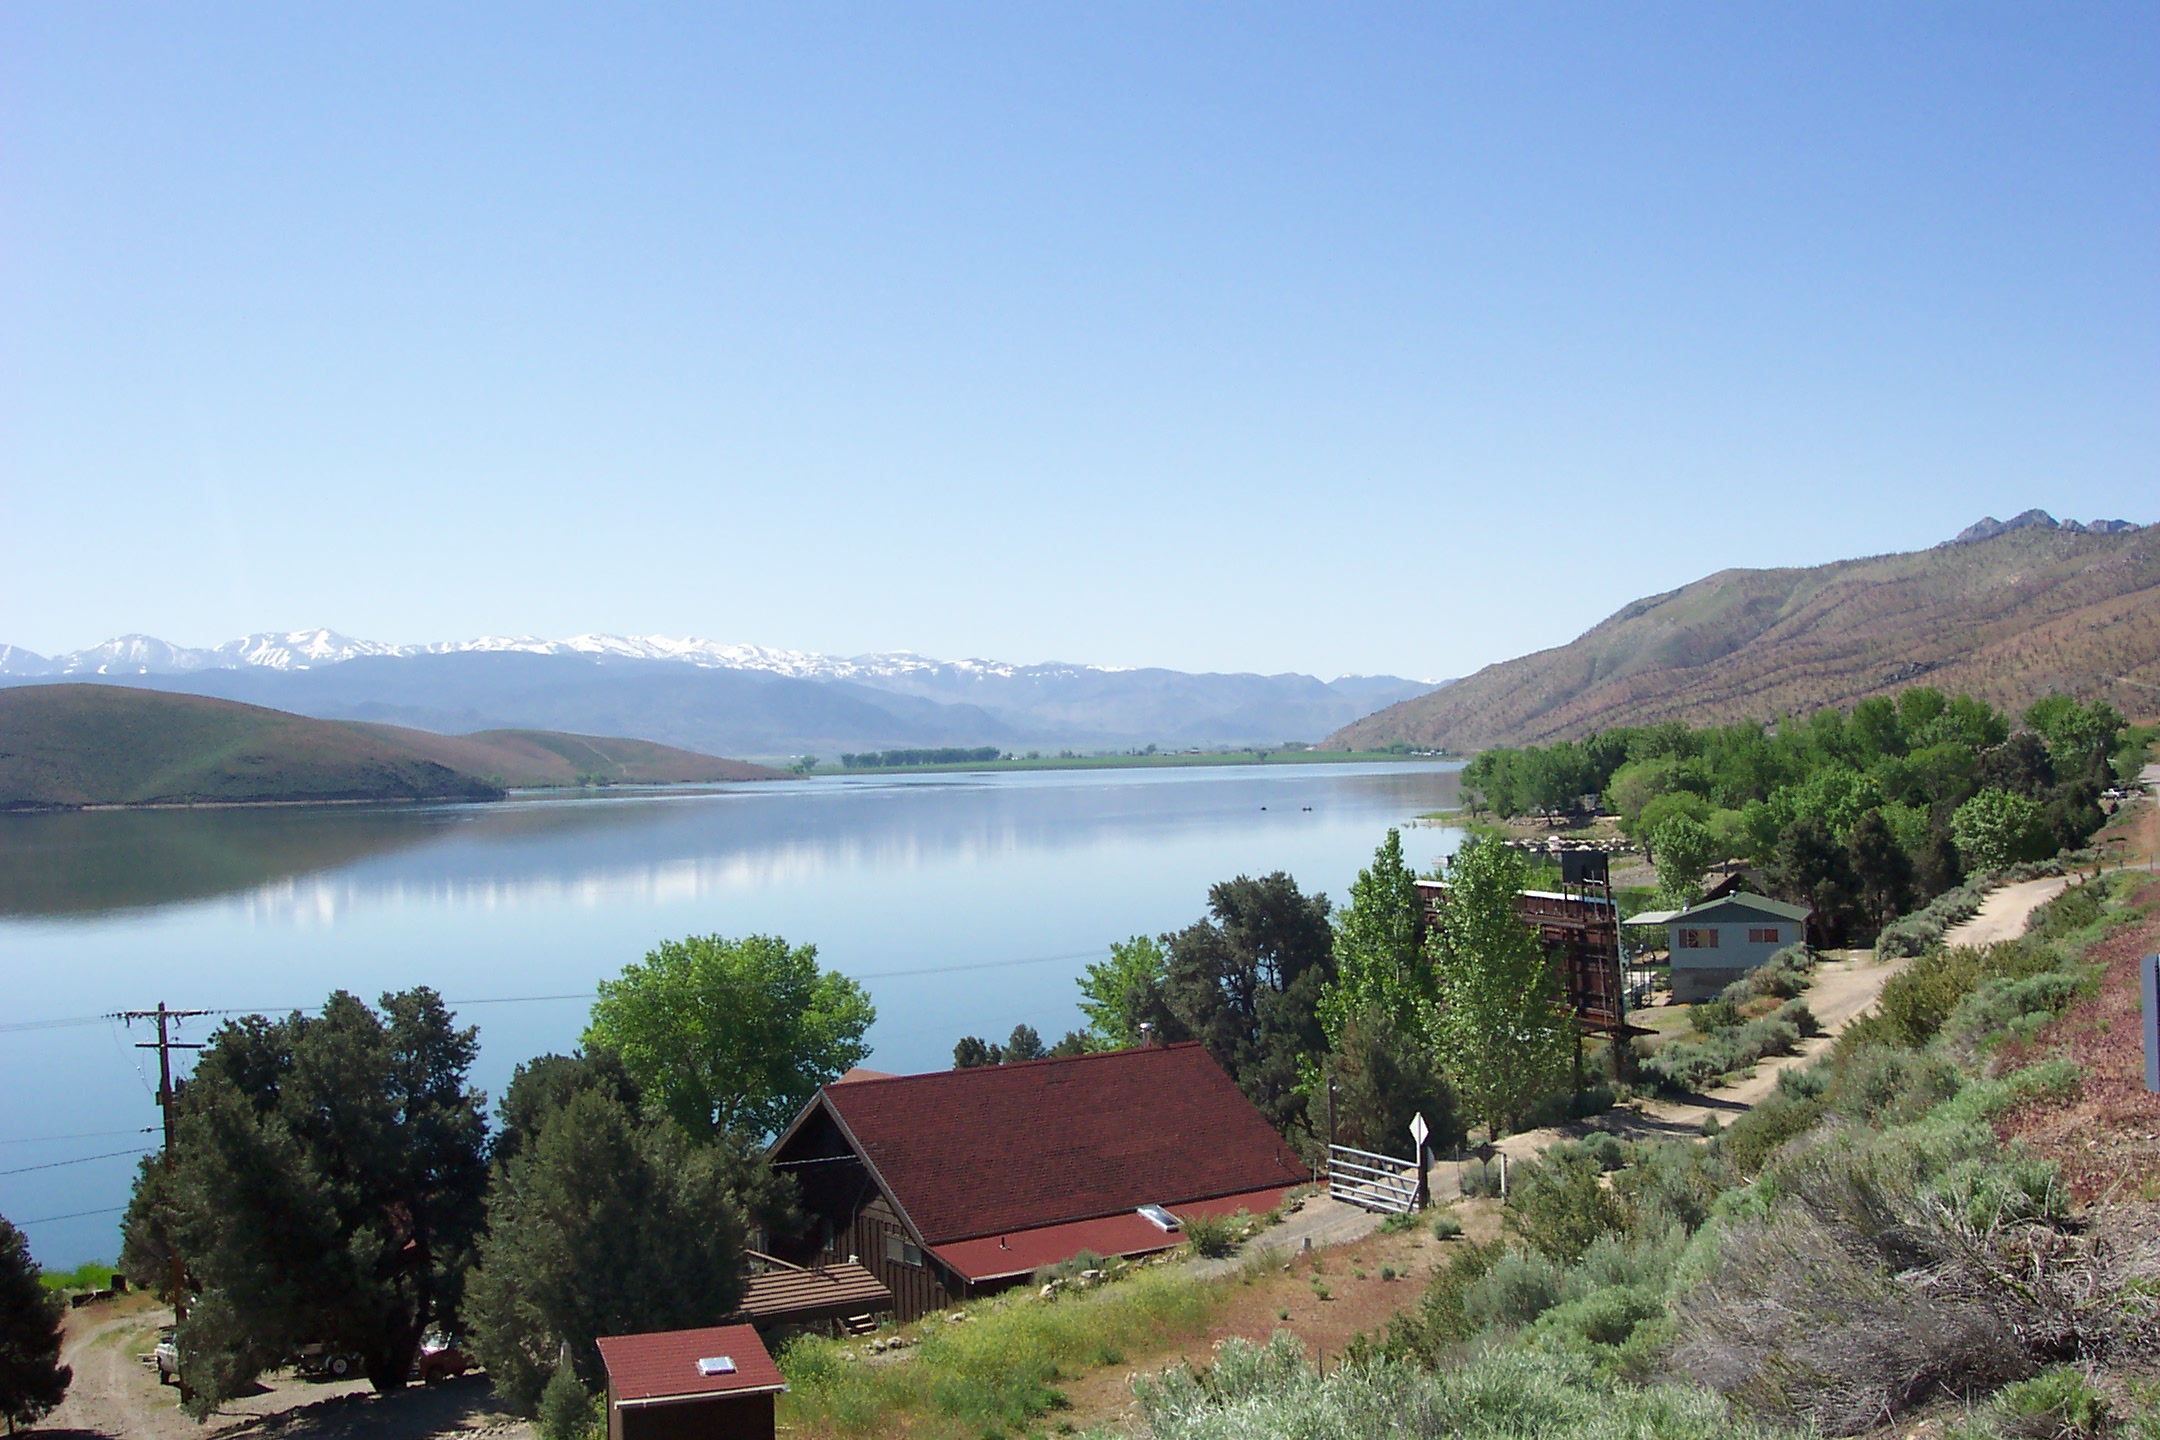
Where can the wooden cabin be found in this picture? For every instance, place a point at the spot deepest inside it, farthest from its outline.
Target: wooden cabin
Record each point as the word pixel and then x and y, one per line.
pixel 717 1383
pixel 948 1185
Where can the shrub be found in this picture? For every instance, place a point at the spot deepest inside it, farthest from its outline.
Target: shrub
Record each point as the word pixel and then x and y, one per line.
pixel 1481 1177
pixel 567 1410
pixel 1614 1326
pixel 1889 1086
pixel 1781 977
pixel 1558 1205
pixel 1922 931
pixel 1446 1227
pixel 1671 1182
pixel 1707 1017
pixel 2054 1403
pixel 1211 1236
pixel 1521 1286
pixel 1801 1330
pixel 1255 1391
pixel 1749 1142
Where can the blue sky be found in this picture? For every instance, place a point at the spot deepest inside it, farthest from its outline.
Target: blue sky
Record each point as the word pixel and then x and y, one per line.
pixel 1343 338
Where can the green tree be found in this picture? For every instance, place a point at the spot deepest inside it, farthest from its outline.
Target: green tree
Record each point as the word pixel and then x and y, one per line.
pixel 1685 850
pixel 328 1188
pixel 1882 868
pixel 1505 1038
pixel 1112 991
pixel 973 1052
pixel 1995 828
pixel 1384 1075
pixel 731 1034
pixel 603 1225
pixel 1025 1043
pixel 1811 868
pixel 804 764
pixel 1246 982
pixel 32 1379
pixel 1377 959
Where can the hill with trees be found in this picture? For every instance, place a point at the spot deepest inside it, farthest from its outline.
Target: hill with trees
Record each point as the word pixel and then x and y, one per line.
pixel 2007 616
pixel 66 746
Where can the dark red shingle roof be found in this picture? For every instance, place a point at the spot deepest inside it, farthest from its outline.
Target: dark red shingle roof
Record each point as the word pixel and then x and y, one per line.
pixel 1014 1147
pixel 664 1364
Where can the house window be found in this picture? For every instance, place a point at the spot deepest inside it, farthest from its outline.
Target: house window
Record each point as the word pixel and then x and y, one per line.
pixel 1698 940
pixel 899 1250
pixel 1765 935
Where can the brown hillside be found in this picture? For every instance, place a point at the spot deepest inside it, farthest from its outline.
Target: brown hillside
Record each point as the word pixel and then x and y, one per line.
pixel 2007 619
pixel 70 745
pixel 547 757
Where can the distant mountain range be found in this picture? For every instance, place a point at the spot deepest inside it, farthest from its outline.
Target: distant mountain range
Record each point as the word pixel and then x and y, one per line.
pixel 69 745
pixel 731 699
pixel 2007 611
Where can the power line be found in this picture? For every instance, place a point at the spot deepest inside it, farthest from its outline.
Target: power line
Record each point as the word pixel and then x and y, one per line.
pixel 78 1215
pixel 79 1160
pixel 79 1020
pixel 85 1135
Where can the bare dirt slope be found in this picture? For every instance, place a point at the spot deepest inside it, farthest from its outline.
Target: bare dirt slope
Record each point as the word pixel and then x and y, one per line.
pixel 2008 619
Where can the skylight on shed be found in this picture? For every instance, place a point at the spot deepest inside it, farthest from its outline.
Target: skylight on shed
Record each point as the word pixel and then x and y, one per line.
pixel 713 1365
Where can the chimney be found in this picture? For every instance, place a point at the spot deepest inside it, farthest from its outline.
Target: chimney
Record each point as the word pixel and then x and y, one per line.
pixel 1147 1034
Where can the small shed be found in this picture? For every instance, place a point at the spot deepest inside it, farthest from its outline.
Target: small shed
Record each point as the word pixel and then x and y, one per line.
pixel 1718 941
pixel 712 1384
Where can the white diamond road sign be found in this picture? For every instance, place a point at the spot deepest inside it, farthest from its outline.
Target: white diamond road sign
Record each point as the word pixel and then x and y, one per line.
pixel 1419 1130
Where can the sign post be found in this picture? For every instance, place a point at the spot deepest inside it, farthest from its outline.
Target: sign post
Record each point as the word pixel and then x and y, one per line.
pixel 2149 976
pixel 1418 1131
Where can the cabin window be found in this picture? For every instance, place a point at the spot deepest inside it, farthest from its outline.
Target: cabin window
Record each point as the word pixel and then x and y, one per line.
pixel 899 1250
pixel 1698 940
pixel 1765 935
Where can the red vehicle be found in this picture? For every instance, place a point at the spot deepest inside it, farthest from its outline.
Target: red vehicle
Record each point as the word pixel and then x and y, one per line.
pixel 440 1358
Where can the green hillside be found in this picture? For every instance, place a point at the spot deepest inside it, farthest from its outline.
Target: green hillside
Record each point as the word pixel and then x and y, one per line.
pixel 64 746
pixel 2008 620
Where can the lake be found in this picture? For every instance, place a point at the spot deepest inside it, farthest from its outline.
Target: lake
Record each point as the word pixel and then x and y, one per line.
pixel 963 902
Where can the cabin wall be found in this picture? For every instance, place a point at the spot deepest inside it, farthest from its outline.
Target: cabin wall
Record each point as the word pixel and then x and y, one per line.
pixel 874 1230
pixel 719 1417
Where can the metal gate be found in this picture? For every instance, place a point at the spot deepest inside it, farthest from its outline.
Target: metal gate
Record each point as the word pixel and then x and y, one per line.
pixel 1377 1182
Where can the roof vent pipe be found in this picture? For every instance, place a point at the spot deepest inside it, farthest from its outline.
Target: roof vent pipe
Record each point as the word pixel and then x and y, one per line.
pixel 1147 1034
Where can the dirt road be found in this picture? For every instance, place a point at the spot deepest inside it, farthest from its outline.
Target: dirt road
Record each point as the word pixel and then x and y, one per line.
pixel 115 1394
pixel 2004 912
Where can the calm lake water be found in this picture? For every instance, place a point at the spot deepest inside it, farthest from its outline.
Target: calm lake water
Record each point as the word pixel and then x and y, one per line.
pixel 964 903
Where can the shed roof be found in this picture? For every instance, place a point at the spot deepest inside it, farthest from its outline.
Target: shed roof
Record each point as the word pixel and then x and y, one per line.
pixel 1744 900
pixel 663 1365
pixel 1004 1148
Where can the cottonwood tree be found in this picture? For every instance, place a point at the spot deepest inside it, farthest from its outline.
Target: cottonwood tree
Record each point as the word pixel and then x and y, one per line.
pixel 32 1379
pixel 732 1035
pixel 1505 1038
pixel 1995 828
pixel 1378 963
pixel 1115 992
pixel 327 1188
pixel 602 1223
pixel 1685 850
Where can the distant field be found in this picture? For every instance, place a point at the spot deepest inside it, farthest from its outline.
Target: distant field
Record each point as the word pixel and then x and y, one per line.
pixel 70 746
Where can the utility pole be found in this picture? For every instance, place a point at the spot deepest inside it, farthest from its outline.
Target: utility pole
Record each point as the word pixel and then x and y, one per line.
pixel 165 1045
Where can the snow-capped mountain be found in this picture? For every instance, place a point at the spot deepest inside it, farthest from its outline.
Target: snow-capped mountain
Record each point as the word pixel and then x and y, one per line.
pixel 727 698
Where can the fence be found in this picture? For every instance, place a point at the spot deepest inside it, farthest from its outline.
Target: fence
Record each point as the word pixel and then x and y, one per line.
pixel 1376 1182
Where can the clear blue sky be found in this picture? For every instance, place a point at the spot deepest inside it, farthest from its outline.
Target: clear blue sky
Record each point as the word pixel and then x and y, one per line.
pixel 1329 338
